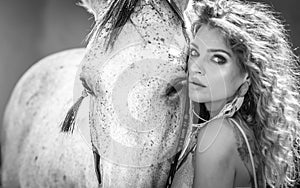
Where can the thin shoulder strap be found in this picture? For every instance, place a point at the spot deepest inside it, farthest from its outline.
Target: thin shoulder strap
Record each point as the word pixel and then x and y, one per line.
pixel 249 149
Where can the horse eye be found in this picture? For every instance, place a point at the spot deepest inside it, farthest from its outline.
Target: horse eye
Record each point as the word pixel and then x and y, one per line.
pixel 194 53
pixel 86 86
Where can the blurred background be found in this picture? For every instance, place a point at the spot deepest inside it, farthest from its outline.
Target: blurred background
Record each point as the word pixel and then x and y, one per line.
pixel 31 30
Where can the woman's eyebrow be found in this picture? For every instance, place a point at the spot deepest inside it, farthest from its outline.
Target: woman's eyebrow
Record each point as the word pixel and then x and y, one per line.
pixel 220 50
pixel 213 50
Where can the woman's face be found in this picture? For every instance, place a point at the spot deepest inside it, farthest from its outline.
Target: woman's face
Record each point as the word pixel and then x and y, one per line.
pixel 214 74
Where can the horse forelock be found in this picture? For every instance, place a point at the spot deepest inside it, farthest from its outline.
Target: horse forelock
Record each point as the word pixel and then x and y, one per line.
pixel 90 5
pixel 117 13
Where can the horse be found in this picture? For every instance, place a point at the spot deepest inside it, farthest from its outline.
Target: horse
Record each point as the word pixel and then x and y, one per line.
pixel 135 52
pixel 34 152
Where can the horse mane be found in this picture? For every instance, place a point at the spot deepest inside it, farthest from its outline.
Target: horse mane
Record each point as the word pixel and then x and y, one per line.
pixel 116 17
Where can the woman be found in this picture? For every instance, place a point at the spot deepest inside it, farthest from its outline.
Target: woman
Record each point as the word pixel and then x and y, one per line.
pixel 242 72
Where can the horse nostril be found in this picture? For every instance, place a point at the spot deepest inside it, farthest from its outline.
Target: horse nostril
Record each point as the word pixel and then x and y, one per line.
pixel 175 86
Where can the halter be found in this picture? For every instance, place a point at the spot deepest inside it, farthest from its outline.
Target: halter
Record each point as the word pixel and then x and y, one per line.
pixel 185 125
pixel 97 164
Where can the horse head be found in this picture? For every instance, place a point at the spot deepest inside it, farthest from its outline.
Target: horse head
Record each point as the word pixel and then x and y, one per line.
pixel 135 61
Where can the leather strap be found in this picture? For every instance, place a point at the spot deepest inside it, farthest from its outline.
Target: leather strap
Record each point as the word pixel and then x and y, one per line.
pixel 97 163
pixel 185 124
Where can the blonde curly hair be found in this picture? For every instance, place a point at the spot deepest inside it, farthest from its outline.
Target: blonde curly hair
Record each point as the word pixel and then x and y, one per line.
pixel 257 36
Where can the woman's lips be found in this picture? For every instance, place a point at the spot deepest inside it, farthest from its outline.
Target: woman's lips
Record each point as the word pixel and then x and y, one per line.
pixel 197 83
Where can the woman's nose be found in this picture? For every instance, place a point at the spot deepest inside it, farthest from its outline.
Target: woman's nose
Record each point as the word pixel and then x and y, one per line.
pixel 195 68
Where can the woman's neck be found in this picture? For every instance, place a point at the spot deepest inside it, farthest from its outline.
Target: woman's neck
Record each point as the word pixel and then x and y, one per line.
pixel 214 107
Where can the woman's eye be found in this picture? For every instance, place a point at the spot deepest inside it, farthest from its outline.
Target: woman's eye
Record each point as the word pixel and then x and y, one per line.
pixel 194 53
pixel 219 59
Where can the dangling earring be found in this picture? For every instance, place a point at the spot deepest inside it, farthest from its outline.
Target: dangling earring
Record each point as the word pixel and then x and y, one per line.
pixel 230 108
pixel 227 111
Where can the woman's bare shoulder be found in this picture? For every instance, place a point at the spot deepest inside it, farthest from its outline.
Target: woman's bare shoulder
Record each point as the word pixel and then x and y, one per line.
pixel 218 147
pixel 216 155
pixel 217 135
